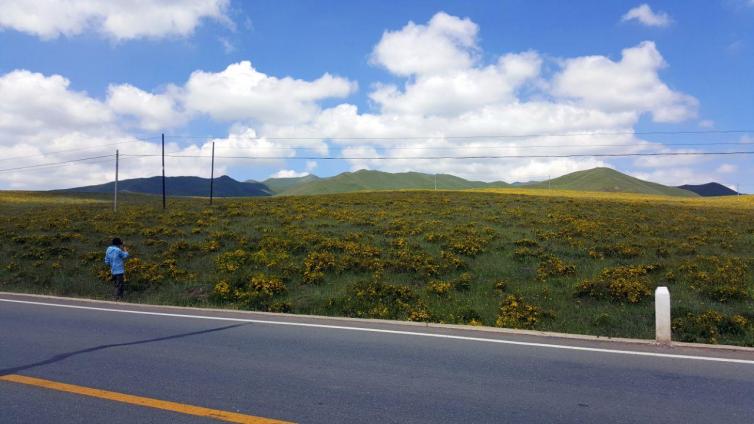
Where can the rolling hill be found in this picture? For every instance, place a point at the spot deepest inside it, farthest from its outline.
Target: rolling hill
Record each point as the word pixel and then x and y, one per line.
pixel 597 179
pixel 180 186
pixel 608 180
pixel 376 180
pixel 279 185
pixel 709 189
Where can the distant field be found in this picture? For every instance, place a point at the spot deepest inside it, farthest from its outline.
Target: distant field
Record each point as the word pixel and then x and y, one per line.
pixel 524 258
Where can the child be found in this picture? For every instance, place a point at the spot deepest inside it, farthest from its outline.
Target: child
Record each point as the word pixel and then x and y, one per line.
pixel 115 255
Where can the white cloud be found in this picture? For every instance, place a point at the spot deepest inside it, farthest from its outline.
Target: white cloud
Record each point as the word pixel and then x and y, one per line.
pixel 448 93
pixel 153 111
pixel 240 92
pixel 289 173
pixel 727 168
pixel 646 16
pixel 34 103
pixel 117 19
pixel 450 103
pixel 677 175
pixel 706 123
pixel 460 90
pixel 447 43
pixel 632 85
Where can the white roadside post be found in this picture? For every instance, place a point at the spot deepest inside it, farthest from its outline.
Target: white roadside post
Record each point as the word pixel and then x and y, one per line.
pixel 662 315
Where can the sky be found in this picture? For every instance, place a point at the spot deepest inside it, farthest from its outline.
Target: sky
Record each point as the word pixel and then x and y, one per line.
pixel 487 90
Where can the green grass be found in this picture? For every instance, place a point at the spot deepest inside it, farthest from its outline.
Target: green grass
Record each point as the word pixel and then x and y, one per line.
pixel 377 255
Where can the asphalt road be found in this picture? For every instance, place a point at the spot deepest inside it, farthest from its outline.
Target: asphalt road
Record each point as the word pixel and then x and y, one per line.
pixel 333 373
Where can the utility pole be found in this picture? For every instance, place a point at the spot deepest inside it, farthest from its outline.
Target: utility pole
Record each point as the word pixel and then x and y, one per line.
pixel 115 192
pixel 548 181
pixel 435 182
pixel 212 175
pixel 163 170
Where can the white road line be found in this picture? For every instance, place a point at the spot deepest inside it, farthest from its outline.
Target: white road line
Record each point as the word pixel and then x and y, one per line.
pixel 407 333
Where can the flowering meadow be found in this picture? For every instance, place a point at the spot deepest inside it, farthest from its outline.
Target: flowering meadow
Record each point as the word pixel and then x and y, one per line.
pixel 542 260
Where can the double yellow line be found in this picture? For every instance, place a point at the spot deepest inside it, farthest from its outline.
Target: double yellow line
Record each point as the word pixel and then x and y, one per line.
pixel 141 401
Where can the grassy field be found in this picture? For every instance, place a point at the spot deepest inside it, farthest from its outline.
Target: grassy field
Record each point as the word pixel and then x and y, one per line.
pixel 573 262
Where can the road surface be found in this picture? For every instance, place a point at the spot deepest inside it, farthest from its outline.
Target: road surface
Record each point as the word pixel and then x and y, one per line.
pixel 309 370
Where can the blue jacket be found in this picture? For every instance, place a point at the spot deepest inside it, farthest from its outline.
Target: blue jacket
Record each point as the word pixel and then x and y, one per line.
pixel 114 257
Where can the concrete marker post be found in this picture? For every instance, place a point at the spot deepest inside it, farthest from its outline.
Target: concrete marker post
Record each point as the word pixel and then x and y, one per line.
pixel 662 316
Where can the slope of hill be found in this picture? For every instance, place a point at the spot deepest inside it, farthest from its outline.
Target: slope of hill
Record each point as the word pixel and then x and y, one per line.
pixel 180 186
pixel 709 189
pixel 279 185
pixel 610 180
pixel 377 180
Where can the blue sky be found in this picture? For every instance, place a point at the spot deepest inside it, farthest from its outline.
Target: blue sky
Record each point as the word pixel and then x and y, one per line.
pixel 245 73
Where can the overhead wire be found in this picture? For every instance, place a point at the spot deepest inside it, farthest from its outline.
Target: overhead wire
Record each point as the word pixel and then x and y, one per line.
pixel 451 137
pixel 54 152
pixel 447 157
pixel 50 164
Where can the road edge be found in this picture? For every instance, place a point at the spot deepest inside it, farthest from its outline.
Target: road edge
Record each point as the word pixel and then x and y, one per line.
pixel 460 327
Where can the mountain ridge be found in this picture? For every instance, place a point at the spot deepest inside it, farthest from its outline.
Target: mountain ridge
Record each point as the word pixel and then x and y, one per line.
pixel 596 179
pixel 223 186
pixel 709 189
pixel 602 179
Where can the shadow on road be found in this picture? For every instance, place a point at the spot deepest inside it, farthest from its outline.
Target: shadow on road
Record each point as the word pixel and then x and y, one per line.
pixel 63 356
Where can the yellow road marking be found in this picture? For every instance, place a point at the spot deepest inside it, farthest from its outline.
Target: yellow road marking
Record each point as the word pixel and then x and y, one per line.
pixel 141 401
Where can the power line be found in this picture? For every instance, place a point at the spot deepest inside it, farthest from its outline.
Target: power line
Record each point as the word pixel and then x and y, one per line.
pixel 570 134
pixel 41 165
pixel 100 146
pixel 544 146
pixel 453 157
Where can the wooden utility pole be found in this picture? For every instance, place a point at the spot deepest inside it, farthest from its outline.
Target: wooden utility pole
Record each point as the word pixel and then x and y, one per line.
pixel 115 192
pixel 212 175
pixel 163 171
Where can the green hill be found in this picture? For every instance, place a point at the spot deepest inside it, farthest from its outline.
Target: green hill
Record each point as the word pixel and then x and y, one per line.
pixel 376 180
pixel 180 186
pixel 610 180
pixel 279 185
pixel 709 189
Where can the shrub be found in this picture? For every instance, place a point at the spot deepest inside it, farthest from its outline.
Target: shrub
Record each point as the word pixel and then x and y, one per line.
pixel 552 266
pixel 381 300
pixel 720 279
pixel 623 284
pixel 232 261
pixel 523 253
pixel 526 243
pixel 708 327
pixel 316 265
pixel 514 313
pixel 440 288
pixel 622 251
pixel 463 282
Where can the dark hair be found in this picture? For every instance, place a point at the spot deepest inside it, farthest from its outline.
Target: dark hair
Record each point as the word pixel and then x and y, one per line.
pixel 117 242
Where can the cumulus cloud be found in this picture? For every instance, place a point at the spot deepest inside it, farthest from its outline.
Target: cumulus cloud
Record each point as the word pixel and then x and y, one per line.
pixel 508 118
pixel 630 85
pixel 460 90
pixel 646 16
pixel 117 19
pixel 240 92
pixel 152 111
pixel 289 173
pixel 35 103
pixel 446 43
